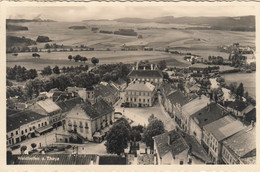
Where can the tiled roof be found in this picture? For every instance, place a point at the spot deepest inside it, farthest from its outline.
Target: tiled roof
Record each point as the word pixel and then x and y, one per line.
pixel 69 104
pixel 140 86
pixel 11 111
pixel 49 159
pixel 18 119
pixel 48 105
pixel 120 81
pixel 208 114
pixel 177 145
pixel 166 88
pixel 195 105
pixel 146 73
pixel 224 127
pixel 100 108
pixel 238 105
pixel 242 142
pixel 178 97
pixel 104 91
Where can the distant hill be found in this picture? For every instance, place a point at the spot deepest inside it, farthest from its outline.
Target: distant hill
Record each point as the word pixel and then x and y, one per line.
pixel 15 27
pixel 18 41
pixel 77 27
pixel 242 23
pixel 27 20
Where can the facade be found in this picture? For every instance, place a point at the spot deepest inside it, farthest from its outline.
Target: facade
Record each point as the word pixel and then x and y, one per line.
pixel 171 148
pixel 140 94
pixel 241 147
pixel 91 122
pixel 206 115
pixel 217 131
pixel 189 109
pixel 48 108
pixel 22 125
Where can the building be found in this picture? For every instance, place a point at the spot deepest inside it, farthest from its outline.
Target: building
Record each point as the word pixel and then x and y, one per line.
pixel 107 92
pixel 174 101
pixel 50 109
pixel 90 122
pixel 189 109
pixel 239 108
pixel 241 147
pixel 206 115
pixel 120 84
pixel 217 131
pixel 140 94
pixel 152 75
pixel 203 69
pixel 171 148
pixel 23 124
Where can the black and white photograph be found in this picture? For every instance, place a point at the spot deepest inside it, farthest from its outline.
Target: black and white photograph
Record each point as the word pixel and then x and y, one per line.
pixel 130 84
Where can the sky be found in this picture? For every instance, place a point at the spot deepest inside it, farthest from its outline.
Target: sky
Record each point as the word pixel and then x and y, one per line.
pixel 111 11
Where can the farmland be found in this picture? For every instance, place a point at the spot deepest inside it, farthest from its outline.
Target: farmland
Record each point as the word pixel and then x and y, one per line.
pixel 157 36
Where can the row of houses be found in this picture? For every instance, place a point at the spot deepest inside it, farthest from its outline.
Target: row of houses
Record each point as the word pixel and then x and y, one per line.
pixel 202 118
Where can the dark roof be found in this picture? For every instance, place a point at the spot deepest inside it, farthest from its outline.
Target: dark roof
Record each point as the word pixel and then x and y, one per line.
pixel 146 73
pixel 90 110
pixel 196 149
pixel 37 159
pixel 208 114
pixel 251 116
pixel 60 96
pixel 11 111
pixel 176 146
pixel 112 160
pixel 238 105
pixel 16 120
pixel 69 104
pixel 178 97
pixel 103 107
pixel 104 91
pixel 166 88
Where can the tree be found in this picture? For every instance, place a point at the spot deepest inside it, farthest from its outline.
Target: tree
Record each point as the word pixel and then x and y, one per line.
pixel 84 59
pixel 162 64
pixel 33 145
pixel 246 95
pixel 135 135
pixel 232 87
pixel 70 57
pixel 117 138
pixel 154 128
pixel 23 149
pixel 240 90
pixel 47 46
pixel 56 70
pixel 94 60
pixel 47 71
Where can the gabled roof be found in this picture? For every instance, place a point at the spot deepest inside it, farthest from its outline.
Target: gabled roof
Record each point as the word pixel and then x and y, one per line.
pixel 20 118
pixel 178 97
pixel 98 109
pixel 239 105
pixel 140 86
pixel 120 81
pixel 69 104
pixel 146 73
pixel 177 143
pixel 242 142
pixel 48 105
pixel 224 127
pixel 166 88
pixel 104 91
pixel 195 105
pixel 208 114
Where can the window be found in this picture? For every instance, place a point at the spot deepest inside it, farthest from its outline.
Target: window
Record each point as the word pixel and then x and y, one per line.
pixel 39 125
pixel 135 99
pixel 16 132
pixel 34 127
pixel 45 123
pixel 22 132
pixel 42 124
pixel 127 99
pixel 181 162
pixel 148 100
pixel 144 100
pixel 25 130
pixel 12 134
pixel 139 100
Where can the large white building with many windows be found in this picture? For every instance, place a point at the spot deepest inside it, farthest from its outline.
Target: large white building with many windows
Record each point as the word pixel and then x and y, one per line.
pixel 139 94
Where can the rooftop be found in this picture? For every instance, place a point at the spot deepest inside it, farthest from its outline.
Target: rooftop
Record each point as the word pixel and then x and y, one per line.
pixel 176 146
pixel 242 142
pixel 208 114
pixel 178 97
pixel 105 90
pixel 239 105
pixel 146 73
pixel 195 105
pixel 20 118
pixel 120 81
pixel 140 86
pixel 224 127
pixel 69 104
pixel 48 105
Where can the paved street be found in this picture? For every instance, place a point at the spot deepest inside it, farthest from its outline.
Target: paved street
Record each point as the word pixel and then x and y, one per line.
pixel 140 115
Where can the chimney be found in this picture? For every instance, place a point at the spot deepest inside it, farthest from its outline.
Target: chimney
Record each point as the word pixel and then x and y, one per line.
pixel 252 123
pixel 169 139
